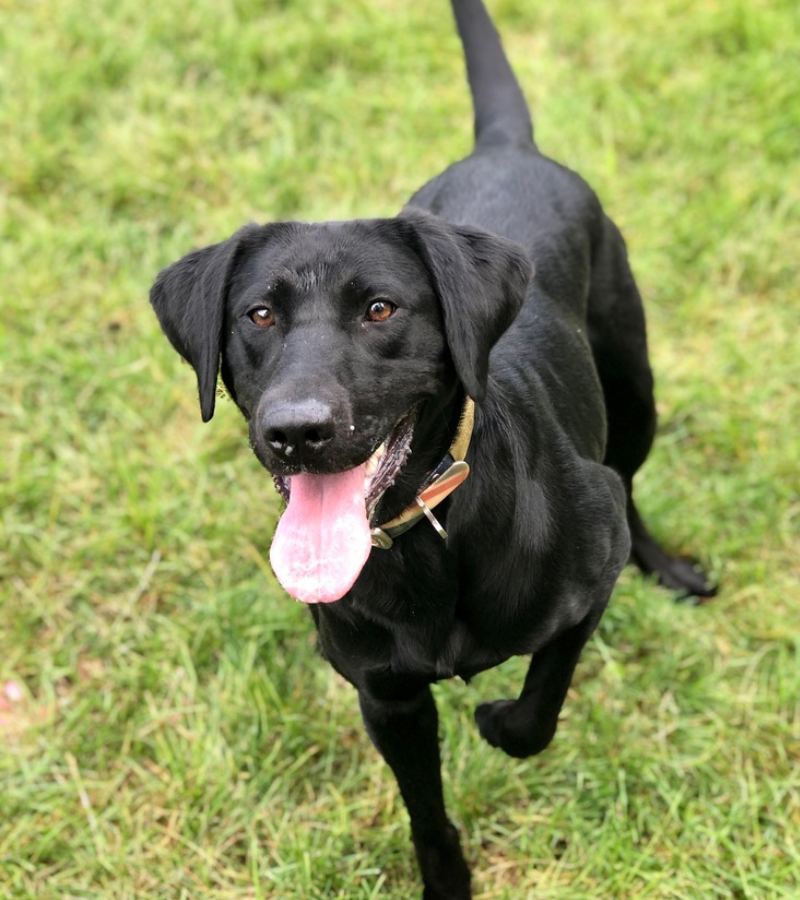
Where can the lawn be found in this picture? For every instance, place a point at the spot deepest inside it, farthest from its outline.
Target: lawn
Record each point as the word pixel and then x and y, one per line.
pixel 167 729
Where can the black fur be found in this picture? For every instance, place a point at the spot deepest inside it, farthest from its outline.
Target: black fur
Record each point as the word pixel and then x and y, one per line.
pixel 512 286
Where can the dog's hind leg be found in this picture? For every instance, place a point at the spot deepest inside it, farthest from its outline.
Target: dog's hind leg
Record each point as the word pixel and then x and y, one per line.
pixel 405 732
pixel 525 726
pixel 619 344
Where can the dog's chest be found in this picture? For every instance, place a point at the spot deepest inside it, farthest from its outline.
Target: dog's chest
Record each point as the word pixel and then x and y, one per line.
pixel 449 649
pixel 405 621
pixel 432 641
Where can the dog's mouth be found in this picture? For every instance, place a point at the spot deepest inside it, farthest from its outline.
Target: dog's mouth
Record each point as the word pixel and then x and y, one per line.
pixel 323 538
pixel 380 470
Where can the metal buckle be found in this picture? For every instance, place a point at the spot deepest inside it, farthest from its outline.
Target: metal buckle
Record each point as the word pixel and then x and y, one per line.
pixel 381 539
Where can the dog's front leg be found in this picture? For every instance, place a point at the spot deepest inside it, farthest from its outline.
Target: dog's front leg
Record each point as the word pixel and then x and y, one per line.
pixel 525 726
pixel 405 733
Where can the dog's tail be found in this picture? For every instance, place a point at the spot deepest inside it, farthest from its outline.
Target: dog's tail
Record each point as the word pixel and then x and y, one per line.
pixel 501 112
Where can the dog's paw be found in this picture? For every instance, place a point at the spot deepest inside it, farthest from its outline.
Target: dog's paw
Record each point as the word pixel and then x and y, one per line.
pixel 685 577
pixel 677 573
pixel 444 869
pixel 435 894
pixel 503 724
pixel 489 718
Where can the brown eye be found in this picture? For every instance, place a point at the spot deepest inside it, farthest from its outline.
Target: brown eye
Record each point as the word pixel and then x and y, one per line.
pixel 262 316
pixel 380 310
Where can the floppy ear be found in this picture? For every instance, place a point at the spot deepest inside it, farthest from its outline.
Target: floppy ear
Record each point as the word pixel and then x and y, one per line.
pixel 189 300
pixel 480 280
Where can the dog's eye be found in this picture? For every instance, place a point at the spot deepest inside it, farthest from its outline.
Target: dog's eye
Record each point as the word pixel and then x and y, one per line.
pixel 261 316
pixel 380 310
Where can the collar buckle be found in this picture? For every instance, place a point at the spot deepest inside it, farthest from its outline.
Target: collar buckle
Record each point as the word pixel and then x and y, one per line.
pixel 381 539
pixel 448 475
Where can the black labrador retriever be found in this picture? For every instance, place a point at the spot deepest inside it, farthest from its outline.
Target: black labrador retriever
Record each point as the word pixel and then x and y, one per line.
pixel 493 329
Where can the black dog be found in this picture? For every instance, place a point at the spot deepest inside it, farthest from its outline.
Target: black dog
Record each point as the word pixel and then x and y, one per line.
pixel 496 319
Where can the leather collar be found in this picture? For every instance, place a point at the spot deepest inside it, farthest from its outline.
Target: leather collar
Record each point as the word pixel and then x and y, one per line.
pixel 445 478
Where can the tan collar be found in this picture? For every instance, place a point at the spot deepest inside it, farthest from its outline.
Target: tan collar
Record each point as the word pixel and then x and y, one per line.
pixel 445 478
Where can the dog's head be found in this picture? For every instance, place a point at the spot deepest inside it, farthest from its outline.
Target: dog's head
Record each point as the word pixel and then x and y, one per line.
pixel 332 339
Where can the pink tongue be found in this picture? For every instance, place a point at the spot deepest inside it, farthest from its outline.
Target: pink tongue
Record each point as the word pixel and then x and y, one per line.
pixel 322 540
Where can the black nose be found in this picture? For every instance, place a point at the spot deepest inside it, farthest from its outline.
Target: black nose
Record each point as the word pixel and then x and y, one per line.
pixel 301 429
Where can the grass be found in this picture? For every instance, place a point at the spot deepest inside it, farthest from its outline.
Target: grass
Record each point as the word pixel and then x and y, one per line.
pixel 175 734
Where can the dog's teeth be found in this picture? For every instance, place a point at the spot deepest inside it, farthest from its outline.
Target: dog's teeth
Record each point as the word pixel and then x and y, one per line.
pixel 372 463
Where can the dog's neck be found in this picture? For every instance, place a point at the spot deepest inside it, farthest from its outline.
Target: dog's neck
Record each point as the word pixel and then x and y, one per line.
pixel 440 483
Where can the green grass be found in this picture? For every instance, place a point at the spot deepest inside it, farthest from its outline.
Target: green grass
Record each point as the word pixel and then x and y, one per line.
pixel 178 737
